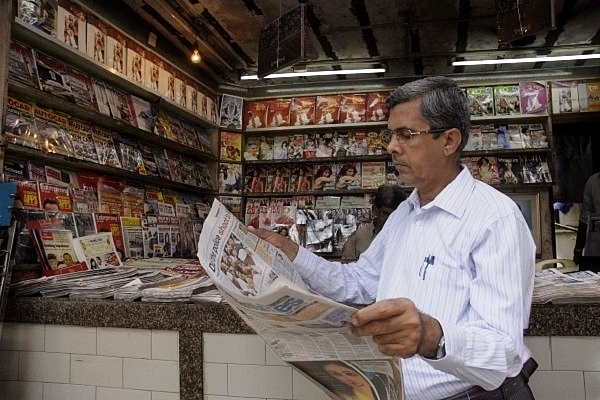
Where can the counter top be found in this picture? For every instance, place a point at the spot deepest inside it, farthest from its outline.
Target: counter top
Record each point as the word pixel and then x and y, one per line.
pixel 192 320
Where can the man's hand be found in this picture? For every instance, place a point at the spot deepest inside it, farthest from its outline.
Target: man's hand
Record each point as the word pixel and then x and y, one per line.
pixel 399 328
pixel 289 248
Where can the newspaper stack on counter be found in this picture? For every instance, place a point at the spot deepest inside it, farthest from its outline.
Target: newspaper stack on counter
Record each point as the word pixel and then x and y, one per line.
pixel 305 329
pixel 551 285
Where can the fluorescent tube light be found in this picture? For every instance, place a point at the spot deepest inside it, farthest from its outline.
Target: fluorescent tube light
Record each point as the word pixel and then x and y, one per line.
pixel 317 73
pixel 526 60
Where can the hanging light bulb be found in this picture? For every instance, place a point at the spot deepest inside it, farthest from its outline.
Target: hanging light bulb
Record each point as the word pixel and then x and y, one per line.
pixel 196 57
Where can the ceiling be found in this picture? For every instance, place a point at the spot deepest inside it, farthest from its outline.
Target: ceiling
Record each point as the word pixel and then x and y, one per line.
pixel 409 38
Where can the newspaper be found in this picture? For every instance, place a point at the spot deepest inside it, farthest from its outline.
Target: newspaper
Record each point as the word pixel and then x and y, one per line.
pixel 305 329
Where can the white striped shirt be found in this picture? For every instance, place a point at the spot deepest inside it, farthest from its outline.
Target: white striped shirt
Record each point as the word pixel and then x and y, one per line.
pixel 478 286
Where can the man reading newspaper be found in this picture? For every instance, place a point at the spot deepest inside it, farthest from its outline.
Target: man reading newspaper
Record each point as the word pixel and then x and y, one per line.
pixel 449 279
pixel 309 331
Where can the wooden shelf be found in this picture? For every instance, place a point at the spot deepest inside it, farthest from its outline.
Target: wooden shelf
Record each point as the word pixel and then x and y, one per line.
pixel 322 160
pixel 313 128
pixel 20 153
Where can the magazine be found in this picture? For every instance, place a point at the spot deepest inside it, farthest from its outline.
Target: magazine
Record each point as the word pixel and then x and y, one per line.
pixel 98 250
pixel 305 329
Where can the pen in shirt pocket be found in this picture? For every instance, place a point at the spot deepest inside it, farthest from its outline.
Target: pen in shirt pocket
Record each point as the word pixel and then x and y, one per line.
pixel 428 261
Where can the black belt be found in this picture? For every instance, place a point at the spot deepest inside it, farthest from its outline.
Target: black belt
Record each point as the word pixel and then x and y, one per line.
pixel 507 389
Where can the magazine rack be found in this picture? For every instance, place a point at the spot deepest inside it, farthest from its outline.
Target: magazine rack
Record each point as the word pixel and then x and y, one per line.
pixel 7 235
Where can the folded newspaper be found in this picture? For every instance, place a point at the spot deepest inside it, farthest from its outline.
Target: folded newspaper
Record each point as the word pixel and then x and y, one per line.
pixel 305 329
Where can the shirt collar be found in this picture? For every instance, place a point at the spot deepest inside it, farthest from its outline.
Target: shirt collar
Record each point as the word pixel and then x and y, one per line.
pixel 452 198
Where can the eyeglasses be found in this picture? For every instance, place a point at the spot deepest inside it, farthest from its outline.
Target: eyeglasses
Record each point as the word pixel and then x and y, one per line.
pixel 404 135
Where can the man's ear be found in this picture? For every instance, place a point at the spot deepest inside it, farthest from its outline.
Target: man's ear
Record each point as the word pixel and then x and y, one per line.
pixel 452 142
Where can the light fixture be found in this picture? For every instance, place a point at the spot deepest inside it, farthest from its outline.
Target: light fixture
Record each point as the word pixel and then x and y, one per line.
pixel 317 73
pixel 195 57
pixel 526 60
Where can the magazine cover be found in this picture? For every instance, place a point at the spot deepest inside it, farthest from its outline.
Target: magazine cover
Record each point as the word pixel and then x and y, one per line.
pixel 192 96
pixel 514 136
pixel 151 71
pixel 135 61
pixel 251 148
pixel 231 146
pixel 83 91
pixel 230 178
pixel 21 65
pixel 175 164
pixel 39 14
pixel 133 200
pixel 592 96
pixel 489 138
pixel 191 137
pixel 327 109
pixel 565 97
pixel 265 148
pixel 376 110
pixel 310 145
pixel 116 48
pixel 101 97
pixel 204 177
pixel 133 237
pixel 130 154
pixel 96 39
pixel 296 146
pixel 349 176
pixel 357 143
pixel 375 146
pixel 52 75
pixel 339 144
pixel 301 178
pixel 111 223
pixel 533 97
pixel 84 224
pixel 510 171
pixel 302 111
pixel 233 204
pixel 255 114
pixel 36 171
pixel 502 136
pixel 373 174
pixel 53 132
pixel 105 147
pixel 279 112
pixel 481 101
pixel 150 234
pixel 14 171
pixel 507 100
pixel 324 177
pixel 83 143
pixel 175 129
pixel 142 111
pixel 110 195
pixel 84 201
pixel 280 147
pixel 19 126
pixel 255 179
pixel 71 25
pixel 98 251
pixel 353 108
pixel 148 159
pixel 58 249
pixel 180 88
pixel 231 112
pixel 279 178
pixel 29 193
pixel 119 105
pixel 166 81
pixel 59 196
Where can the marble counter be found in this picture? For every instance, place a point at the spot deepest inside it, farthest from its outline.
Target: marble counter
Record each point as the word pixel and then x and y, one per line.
pixel 192 320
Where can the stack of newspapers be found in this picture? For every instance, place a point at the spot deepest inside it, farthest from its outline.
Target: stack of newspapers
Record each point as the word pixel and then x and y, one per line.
pixel 551 285
pixel 308 331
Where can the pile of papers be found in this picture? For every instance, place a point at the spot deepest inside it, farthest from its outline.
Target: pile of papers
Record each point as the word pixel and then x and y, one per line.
pixel 551 285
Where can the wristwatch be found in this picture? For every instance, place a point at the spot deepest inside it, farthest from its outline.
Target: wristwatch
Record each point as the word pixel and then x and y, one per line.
pixel 441 348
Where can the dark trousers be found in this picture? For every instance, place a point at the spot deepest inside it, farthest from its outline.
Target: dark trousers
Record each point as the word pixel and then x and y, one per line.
pixel 515 388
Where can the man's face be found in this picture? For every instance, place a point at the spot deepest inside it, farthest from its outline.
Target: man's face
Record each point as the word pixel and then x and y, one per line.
pixel 418 160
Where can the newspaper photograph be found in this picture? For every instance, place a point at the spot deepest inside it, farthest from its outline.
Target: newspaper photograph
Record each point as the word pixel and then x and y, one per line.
pixel 259 283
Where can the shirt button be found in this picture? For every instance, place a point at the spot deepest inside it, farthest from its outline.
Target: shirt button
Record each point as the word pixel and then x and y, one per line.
pixel 418 223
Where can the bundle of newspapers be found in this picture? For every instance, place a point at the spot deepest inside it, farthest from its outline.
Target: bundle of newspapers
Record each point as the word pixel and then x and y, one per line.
pixel 305 329
pixel 551 285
